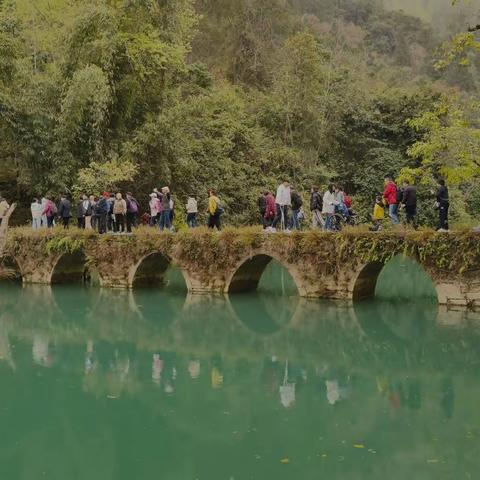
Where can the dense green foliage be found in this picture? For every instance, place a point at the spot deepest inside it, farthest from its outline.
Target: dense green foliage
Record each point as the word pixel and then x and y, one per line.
pixel 235 94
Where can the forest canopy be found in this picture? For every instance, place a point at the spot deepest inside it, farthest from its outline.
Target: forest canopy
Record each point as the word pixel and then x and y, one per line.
pixel 238 95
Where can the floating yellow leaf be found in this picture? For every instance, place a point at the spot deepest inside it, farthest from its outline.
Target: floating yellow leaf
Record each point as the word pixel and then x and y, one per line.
pixel 285 460
pixel 359 445
pixel 433 460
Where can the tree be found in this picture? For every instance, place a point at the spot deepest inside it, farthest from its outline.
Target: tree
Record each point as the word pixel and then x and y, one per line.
pixel 108 175
pixel 450 146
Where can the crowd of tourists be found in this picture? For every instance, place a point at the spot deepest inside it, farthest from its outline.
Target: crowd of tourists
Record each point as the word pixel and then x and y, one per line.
pixel 329 210
pixel 333 208
pixel 116 213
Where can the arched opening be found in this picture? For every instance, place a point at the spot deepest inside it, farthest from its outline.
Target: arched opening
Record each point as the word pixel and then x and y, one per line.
pixel 265 274
pixel 400 279
pixel 155 270
pixel 73 268
pixel 10 270
pixel 366 281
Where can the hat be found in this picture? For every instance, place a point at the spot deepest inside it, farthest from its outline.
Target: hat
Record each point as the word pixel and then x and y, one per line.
pixel 105 194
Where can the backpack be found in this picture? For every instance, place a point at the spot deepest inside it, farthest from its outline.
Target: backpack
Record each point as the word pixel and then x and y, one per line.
pixel 399 195
pixel 316 202
pixel 219 211
pixel 133 206
pixel 296 201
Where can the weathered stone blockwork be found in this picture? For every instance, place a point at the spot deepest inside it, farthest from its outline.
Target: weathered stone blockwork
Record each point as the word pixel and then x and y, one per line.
pixel 323 265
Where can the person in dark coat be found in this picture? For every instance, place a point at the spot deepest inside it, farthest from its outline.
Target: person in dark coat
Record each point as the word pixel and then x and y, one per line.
pixel 316 205
pixel 81 212
pixel 443 205
pixel 262 207
pixel 409 201
pixel 102 209
pixel 297 204
pixel 65 211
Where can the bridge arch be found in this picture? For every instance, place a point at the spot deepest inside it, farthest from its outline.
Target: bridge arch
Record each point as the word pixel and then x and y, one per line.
pixel 246 275
pixel 10 269
pixel 150 271
pixel 364 282
pixel 71 267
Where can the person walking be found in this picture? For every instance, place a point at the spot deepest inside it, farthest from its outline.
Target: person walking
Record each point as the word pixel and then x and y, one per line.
pixel 111 226
pixel 154 205
pixel 283 201
pixel 36 209
pixel 48 212
pixel 409 201
pixel 443 205
pixel 172 212
pixel 119 210
pixel 192 212
pixel 81 212
pixel 215 210
pixel 132 210
pixel 270 210
pixel 165 206
pixel 341 207
pixel 297 204
pixel 328 208
pixel 65 211
pixel 91 218
pixel 378 215
pixel 44 202
pixel 262 207
pixel 4 206
pixel 316 208
pixel 102 208
pixel 390 196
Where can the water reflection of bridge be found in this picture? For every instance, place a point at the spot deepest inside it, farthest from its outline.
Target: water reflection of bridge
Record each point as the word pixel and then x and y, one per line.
pixel 248 327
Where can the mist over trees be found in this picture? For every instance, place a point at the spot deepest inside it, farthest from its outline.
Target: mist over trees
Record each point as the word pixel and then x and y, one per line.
pixel 237 94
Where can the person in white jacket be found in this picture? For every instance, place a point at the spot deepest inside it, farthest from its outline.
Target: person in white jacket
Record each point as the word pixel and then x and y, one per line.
pixel 283 201
pixel 329 203
pixel 192 212
pixel 36 209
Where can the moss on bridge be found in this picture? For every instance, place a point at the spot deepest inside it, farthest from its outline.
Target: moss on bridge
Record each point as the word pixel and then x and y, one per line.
pixel 457 252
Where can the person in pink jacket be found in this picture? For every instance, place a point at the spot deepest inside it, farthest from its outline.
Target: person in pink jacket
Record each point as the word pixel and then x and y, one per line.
pixel 155 209
pixel 49 210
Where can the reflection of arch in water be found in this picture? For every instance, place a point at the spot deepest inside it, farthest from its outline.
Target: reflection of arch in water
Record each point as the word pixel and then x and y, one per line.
pixel 395 322
pixel 72 268
pixel 158 307
pixel 264 313
pixel 156 270
pixel 10 270
pixel 401 277
pixel 248 272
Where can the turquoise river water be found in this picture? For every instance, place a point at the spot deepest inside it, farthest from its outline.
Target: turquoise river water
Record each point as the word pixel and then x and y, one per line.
pixel 149 384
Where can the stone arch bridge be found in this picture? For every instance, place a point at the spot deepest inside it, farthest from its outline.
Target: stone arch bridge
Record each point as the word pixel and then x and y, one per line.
pixel 323 265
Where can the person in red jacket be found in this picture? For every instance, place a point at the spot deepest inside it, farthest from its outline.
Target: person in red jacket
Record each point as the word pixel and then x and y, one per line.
pixel 390 197
pixel 270 210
